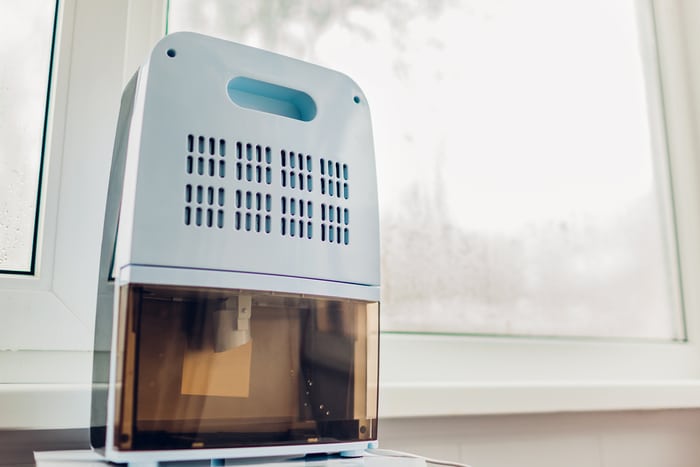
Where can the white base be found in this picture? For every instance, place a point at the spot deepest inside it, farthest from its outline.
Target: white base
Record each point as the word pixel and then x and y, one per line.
pixel 92 459
pixel 260 452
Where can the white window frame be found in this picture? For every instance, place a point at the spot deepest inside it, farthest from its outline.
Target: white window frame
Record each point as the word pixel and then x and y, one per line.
pixel 48 318
pixel 54 308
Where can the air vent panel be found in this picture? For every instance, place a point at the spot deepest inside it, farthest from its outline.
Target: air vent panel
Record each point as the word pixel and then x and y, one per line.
pixel 251 185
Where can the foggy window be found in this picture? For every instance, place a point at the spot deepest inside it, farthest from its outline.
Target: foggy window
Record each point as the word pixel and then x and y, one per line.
pixel 26 39
pixel 523 178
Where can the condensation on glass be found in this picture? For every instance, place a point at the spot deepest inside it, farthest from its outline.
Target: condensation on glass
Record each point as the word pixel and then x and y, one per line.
pixel 26 38
pixel 522 171
pixel 216 368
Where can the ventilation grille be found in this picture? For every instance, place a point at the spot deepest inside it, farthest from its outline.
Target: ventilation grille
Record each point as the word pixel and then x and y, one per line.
pixel 205 156
pixel 253 163
pixel 296 170
pixel 335 222
pixel 204 206
pixel 296 220
pixel 250 186
pixel 334 179
pixel 252 212
pixel 335 217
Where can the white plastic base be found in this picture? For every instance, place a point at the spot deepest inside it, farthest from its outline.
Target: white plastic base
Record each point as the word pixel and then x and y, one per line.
pixel 274 453
pixel 92 459
pixel 210 463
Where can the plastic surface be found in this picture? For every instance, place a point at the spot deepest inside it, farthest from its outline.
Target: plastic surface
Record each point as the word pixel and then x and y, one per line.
pixel 213 185
pixel 305 375
pixel 89 459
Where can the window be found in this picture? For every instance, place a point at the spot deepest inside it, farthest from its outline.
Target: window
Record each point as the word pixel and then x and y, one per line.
pixel 521 158
pixel 468 130
pixel 26 48
pixel 47 317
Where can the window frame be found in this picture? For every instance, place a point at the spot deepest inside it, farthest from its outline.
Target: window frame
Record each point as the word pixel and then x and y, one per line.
pixel 50 317
pixel 54 295
pixel 32 291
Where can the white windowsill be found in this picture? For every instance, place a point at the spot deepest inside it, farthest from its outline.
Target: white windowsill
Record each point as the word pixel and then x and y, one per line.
pixel 44 406
pixel 425 399
pixel 63 406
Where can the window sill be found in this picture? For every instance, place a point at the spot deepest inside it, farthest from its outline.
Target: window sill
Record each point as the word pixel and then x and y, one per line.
pixel 51 390
pixel 44 406
pixel 431 399
pixel 62 406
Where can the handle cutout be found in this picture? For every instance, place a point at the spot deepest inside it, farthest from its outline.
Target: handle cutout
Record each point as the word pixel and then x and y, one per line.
pixel 271 98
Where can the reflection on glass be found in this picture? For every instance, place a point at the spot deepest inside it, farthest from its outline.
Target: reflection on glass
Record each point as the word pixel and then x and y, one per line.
pixel 206 368
pixel 26 35
pixel 520 191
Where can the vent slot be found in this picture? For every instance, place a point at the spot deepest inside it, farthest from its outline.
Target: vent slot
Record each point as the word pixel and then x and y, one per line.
pixel 204 206
pixel 208 160
pixel 296 170
pixel 204 203
pixel 252 212
pixel 335 224
pixel 334 179
pixel 253 163
pixel 296 219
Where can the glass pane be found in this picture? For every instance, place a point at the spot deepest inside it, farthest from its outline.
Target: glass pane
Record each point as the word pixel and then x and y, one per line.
pixel 26 37
pixel 209 368
pixel 520 192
